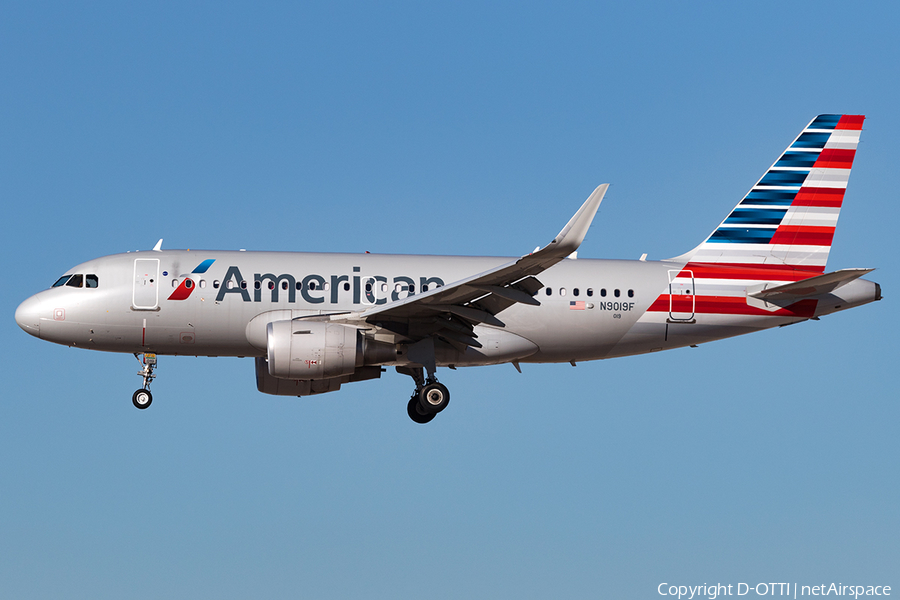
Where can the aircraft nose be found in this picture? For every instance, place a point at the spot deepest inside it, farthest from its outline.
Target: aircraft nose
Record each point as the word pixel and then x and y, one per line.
pixel 28 316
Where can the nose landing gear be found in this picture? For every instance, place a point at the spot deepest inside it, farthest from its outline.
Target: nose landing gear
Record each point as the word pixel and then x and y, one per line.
pixel 142 398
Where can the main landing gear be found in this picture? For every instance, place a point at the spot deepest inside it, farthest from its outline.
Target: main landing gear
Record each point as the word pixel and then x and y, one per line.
pixel 429 397
pixel 142 398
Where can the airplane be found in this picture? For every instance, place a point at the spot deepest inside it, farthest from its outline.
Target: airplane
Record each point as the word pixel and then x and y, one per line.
pixel 315 321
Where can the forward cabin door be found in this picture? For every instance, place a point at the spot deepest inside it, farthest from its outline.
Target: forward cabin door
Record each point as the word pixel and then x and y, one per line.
pixel 146 284
pixel 681 296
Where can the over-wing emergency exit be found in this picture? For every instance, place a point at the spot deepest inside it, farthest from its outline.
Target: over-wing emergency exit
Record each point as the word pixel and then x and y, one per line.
pixel 314 322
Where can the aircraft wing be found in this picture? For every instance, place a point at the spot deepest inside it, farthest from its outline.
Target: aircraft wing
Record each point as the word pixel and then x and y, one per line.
pixel 452 310
pixel 813 286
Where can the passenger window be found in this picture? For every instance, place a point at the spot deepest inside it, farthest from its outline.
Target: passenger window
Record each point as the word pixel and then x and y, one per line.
pixel 312 285
pixel 76 281
pixel 284 285
pixel 174 283
pixel 202 283
pixel 271 285
pixel 616 293
pixel 243 285
pixel 61 281
pixel 347 287
pixel 91 281
pixel 590 291
pixel 603 292
pixel 575 291
pixel 549 292
pixel 562 291
pixel 216 283
pixel 299 285
pixel 631 293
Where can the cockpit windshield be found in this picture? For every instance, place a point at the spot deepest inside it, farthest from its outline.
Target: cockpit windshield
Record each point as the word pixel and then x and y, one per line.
pixel 78 280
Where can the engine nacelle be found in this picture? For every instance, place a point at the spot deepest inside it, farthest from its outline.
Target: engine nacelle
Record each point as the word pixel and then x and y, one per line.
pixel 304 349
pixel 277 386
pixel 311 350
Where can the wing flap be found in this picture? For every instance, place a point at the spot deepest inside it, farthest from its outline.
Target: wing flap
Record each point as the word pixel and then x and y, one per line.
pixel 510 293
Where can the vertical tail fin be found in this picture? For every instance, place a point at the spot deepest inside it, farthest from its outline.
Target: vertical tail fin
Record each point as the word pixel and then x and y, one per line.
pixel 788 218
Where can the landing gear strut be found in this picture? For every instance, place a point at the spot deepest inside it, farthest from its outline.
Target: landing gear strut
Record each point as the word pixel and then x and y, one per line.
pixel 142 398
pixel 429 397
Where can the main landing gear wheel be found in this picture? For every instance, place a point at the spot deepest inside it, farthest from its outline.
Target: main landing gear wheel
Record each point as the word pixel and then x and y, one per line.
pixel 429 397
pixel 416 412
pixel 142 399
pixel 434 397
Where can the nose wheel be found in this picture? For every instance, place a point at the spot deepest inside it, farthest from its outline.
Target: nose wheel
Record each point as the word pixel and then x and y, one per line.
pixel 142 398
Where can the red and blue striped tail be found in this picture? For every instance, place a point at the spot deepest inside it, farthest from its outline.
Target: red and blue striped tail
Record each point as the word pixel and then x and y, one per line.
pixel 788 218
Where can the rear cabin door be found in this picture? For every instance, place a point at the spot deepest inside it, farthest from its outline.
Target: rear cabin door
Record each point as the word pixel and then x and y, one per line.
pixel 146 284
pixel 681 296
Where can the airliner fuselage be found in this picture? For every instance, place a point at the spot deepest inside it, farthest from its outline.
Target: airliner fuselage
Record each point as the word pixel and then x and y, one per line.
pixel 589 309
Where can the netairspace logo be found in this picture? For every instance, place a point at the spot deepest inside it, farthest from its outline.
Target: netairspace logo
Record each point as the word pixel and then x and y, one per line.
pixel 713 591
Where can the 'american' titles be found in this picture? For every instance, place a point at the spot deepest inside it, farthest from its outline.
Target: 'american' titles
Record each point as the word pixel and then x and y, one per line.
pixel 317 289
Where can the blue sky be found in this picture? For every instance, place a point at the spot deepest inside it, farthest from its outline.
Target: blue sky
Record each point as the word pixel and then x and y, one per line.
pixel 457 129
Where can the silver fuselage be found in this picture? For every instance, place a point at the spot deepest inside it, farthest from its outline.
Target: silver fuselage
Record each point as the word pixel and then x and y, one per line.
pixel 595 309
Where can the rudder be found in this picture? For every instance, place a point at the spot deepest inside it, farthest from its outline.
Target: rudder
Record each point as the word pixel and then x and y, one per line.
pixel 789 217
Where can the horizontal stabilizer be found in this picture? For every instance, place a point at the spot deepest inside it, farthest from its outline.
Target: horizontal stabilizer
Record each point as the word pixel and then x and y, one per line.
pixel 814 286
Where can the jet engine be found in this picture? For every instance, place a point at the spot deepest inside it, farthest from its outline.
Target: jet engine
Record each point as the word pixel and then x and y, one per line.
pixel 314 350
pixel 277 386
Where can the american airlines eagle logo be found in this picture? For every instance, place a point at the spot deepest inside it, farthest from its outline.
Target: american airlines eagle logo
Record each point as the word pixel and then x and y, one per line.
pixel 186 287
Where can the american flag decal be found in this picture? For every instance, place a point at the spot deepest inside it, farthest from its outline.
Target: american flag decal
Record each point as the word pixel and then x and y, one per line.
pixel 576 305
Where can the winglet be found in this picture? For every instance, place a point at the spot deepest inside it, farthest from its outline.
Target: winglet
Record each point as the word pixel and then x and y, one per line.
pixel 158 246
pixel 569 239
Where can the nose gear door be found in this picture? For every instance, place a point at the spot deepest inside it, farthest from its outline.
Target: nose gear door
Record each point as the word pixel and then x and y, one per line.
pixel 146 284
